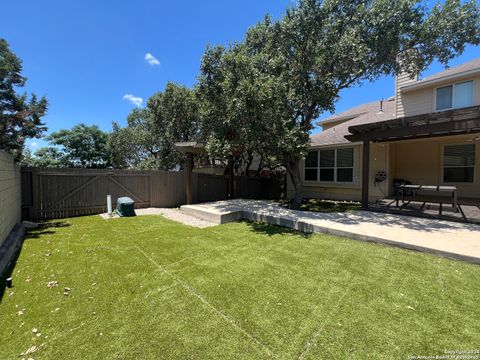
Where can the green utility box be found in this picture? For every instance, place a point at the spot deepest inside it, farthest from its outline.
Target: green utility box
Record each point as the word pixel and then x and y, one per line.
pixel 125 206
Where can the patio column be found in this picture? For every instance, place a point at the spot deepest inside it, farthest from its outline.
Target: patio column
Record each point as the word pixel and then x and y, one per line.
pixel 230 178
pixel 188 178
pixel 365 173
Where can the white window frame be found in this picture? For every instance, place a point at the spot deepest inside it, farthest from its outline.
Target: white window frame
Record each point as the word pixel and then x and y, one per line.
pixel 335 168
pixel 453 85
pixel 442 164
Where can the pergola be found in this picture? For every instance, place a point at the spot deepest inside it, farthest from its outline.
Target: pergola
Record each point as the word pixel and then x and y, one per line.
pixel 444 123
pixel 191 148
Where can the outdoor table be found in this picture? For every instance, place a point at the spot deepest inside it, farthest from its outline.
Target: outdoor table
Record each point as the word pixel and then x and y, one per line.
pixel 428 188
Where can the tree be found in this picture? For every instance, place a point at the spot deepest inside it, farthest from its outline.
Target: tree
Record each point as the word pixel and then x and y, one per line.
pixel 322 47
pixel 135 146
pixel 148 141
pixel 82 146
pixel 232 97
pixel 44 157
pixel 20 115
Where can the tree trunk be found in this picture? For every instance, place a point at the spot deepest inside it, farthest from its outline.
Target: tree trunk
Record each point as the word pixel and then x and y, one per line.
pixel 293 169
pixel 249 163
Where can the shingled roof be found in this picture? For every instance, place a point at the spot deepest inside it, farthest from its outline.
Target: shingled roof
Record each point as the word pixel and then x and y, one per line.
pixel 352 112
pixel 468 66
pixel 368 113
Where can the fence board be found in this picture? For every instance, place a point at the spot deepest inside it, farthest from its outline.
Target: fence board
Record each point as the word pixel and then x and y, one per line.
pixel 49 193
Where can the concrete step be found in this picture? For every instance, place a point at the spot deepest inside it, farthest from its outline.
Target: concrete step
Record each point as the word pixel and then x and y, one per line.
pixel 213 215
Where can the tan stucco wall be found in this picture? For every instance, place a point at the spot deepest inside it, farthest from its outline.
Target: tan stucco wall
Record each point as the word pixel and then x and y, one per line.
pixel 421 162
pixel 10 195
pixel 422 101
pixel 379 161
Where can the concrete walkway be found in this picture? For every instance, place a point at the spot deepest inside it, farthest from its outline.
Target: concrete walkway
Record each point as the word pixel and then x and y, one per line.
pixel 449 239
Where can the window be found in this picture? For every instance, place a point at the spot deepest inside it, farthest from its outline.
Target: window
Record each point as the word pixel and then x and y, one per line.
pixel 454 96
pixel 330 165
pixel 458 163
pixel 444 97
pixel 327 165
pixel 463 95
pixel 311 166
pixel 345 165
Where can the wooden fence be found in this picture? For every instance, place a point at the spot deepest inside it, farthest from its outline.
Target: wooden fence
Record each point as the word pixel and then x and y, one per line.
pixel 49 193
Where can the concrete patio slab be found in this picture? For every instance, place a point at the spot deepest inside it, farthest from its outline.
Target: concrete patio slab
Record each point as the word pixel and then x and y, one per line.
pixel 449 239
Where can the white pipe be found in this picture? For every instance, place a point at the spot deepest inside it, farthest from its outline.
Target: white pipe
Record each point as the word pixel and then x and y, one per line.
pixel 109 204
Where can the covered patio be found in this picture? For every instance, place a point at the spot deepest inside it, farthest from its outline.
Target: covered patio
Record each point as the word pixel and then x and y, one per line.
pixel 431 207
pixel 436 154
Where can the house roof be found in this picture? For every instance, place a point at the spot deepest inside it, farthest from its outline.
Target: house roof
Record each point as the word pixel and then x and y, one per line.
pixel 469 68
pixel 351 113
pixel 369 113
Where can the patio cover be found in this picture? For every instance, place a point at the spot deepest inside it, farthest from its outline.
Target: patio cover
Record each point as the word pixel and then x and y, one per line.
pixel 190 148
pixel 442 123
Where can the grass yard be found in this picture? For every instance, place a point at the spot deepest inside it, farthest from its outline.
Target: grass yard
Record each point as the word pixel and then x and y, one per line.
pixel 150 288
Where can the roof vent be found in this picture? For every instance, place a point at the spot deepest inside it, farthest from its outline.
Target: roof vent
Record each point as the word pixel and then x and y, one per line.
pixel 381 107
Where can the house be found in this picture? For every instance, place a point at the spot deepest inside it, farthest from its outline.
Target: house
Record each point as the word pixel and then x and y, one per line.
pixel 428 133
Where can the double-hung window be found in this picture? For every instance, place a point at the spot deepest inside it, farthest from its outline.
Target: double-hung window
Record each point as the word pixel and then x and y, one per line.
pixel 458 163
pixel 329 165
pixel 454 96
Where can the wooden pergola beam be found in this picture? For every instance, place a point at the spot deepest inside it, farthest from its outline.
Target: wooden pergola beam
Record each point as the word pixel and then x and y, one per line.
pixel 451 122
pixel 189 148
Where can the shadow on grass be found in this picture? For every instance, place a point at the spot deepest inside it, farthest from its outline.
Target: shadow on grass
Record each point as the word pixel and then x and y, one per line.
pixel 8 273
pixel 43 228
pixel 324 206
pixel 271 230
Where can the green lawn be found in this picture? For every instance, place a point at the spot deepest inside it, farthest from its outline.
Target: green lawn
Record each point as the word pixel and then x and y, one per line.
pixel 150 288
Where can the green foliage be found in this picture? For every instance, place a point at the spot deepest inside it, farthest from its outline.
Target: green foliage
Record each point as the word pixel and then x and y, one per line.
pixel 20 115
pixel 44 157
pixel 148 140
pixel 285 73
pixel 82 146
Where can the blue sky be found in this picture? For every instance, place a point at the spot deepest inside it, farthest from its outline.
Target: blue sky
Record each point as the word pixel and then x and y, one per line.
pixel 86 56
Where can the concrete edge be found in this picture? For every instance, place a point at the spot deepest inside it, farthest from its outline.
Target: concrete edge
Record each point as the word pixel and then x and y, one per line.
pixel 398 244
pixel 310 228
pixel 10 247
pixel 217 218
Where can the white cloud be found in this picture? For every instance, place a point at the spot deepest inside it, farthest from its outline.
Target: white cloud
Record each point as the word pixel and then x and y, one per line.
pixel 135 100
pixel 34 144
pixel 152 60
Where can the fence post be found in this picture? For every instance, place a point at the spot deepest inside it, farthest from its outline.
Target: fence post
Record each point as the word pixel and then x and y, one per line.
pixel 35 194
